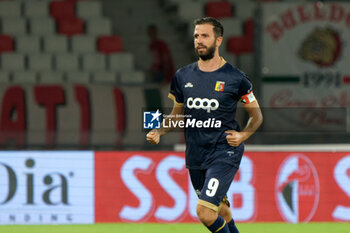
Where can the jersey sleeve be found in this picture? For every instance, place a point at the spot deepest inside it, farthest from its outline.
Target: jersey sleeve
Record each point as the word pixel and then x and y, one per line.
pixel 246 91
pixel 176 93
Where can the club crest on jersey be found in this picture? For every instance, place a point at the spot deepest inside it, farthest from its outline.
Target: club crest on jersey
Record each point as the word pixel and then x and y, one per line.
pixel 219 86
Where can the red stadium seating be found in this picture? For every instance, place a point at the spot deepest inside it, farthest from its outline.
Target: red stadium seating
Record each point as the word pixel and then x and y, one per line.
pixel 110 44
pixel 70 27
pixel 6 43
pixel 62 9
pixel 240 45
pixel 218 10
pixel 249 27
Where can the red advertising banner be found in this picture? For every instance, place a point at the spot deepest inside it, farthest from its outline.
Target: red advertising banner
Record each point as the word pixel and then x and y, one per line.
pixel 270 186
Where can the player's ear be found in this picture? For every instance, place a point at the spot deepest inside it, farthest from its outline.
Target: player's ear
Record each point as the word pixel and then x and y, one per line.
pixel 219 41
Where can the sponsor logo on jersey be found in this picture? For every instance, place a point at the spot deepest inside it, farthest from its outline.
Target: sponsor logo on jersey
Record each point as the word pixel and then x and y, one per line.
pixel 205 103
pixel 151 120
pixel 230 153
pixel 297 189
pixel 188 85
pixel 219 86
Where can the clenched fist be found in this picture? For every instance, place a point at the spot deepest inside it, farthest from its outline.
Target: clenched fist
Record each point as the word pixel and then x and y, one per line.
pixel 153 136
pixel 234 138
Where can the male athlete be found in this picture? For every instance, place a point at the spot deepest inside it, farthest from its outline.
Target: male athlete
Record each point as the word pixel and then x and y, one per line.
pixel 211 89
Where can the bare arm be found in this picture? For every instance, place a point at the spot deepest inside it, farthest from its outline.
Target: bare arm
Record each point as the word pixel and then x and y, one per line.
pixel 235 138
pixel 153 136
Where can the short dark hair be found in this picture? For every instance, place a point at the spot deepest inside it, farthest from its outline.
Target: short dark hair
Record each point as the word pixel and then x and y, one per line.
pixel 218 28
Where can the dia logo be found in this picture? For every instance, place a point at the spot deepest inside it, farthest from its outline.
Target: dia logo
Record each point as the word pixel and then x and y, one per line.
pixel 297 189
pixel 46 187
pixel 29 185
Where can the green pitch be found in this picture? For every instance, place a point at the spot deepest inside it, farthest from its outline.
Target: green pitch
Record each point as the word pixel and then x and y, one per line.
pixel 179 228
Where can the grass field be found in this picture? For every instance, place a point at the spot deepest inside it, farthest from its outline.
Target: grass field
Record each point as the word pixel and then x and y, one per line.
pixel 178 228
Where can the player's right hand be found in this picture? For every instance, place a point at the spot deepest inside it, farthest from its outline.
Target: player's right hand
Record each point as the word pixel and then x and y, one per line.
pixel 153 136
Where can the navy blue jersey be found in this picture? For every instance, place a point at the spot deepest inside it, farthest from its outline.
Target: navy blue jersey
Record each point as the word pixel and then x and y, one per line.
pixel 210 95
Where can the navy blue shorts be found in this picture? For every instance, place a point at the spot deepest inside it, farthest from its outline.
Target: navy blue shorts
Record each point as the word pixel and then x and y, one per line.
pixel 212 184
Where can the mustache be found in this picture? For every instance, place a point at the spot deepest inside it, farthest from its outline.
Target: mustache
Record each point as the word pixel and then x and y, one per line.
pixel 201 46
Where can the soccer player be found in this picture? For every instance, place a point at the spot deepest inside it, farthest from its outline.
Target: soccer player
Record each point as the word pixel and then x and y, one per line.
pixel 210 89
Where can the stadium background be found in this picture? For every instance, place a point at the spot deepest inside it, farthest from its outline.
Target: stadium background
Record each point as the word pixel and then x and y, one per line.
pixel 75 82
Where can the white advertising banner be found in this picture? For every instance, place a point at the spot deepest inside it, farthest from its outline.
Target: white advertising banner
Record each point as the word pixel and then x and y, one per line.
pixel 46 187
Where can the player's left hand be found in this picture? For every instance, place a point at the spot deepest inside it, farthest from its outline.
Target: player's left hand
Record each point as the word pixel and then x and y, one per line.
pixel 234 138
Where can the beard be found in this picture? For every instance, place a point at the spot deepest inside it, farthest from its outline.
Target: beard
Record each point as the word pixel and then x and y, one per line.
pixel 209 54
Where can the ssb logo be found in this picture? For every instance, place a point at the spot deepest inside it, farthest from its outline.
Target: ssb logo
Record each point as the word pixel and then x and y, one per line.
pixel 151 120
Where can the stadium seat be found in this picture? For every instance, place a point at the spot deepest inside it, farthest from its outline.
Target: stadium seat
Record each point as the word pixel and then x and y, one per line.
pixel 240 45
pixel 249 1
pixel 94 62
pixel 12 61
pixel 39 62
pixel 70 27
pixel 36 9
pixel 4 76
pixel 42 26
pixel 78 77
pixel 83 44
pixel 177 1
pixel 55 44
pixel 218 10
pixel 66 62
pixel 132 77
pixel 121 62
pixel 50 77
pixel 10 9
pixel 276 0
pixel 104 77
pixel 27 44
pixel 245 10
pixel 13 26
pixel 249 27
pixel 6 43
pixel 89 9
pixel 246 62
pixel 189 10
pixel 62 10
pixel 24 77
pixel 205 1
pixel 232 26
pixel 110 44
pixel 99 26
